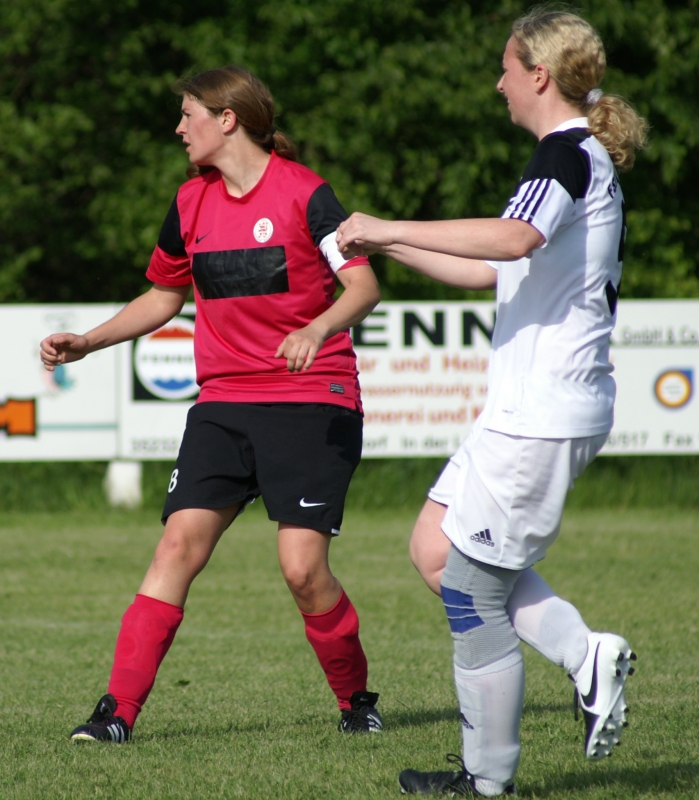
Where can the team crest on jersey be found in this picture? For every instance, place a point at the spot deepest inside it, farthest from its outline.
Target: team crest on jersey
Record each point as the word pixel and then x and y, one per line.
pixel 263 230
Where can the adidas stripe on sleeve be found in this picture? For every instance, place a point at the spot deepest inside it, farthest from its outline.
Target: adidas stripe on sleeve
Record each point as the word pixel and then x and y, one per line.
pixel 558 174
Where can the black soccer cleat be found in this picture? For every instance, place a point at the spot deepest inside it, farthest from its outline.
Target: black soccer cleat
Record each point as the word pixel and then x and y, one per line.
pixel 459 783
pixel 363 716
pixel 103 726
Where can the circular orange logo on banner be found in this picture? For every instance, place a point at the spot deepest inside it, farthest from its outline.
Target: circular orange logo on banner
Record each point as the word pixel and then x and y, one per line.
pixel 673 388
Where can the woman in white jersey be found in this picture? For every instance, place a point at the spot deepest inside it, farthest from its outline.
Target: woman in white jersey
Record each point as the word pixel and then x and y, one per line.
pixel 555 256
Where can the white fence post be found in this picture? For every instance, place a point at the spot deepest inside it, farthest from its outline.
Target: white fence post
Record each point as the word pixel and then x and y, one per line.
pixel 122 483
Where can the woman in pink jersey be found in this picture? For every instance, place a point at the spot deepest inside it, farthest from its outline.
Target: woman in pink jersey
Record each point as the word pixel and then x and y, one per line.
pixel 252 233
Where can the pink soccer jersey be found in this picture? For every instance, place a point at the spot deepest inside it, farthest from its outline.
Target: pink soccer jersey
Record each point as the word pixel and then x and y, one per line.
pixel 258 274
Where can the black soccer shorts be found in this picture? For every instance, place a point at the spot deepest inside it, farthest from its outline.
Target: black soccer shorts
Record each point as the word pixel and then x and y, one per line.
pixel 299 457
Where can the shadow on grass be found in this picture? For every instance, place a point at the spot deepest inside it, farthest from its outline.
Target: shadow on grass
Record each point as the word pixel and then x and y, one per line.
pixel 416 719
pixel 537 709
pixel 238 728
pixel 392 721
pixel 680 777
pixel 203 732
pixel 408 718
pixel 214 733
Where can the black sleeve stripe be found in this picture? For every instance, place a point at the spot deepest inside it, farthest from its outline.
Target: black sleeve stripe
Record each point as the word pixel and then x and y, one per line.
pixel 517 210
pixel 522 206
pixel 170 239
pixel 324 213
pixel 532 209
pixel 528 206
pixel 559 156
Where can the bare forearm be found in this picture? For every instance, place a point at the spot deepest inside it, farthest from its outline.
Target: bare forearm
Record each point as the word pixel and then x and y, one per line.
pixel 480 239
pixel 142 315
pixel 492 239
pixel 465 273
pixel 358 299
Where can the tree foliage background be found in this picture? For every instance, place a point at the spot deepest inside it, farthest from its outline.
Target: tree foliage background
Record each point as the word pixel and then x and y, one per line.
pixel 393 101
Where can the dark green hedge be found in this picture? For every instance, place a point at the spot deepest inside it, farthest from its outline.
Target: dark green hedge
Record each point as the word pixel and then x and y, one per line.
pixel 614 482
pixel 393 101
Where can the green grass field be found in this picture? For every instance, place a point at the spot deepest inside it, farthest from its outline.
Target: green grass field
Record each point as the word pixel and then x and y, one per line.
pixel 241 709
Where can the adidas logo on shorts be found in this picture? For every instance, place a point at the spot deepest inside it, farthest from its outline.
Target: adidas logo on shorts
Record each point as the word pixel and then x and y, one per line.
pixel 483 537
pixel 466 723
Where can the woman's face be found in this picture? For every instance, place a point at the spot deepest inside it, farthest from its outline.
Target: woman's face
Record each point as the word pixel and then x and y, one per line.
pixel 201 132
pixel 517 85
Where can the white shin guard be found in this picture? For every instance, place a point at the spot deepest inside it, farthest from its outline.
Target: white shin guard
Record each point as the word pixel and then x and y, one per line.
pixel 490 699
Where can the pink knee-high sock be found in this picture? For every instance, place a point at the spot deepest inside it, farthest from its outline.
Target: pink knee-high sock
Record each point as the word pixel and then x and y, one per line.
pixel 334 635
pixel 147 630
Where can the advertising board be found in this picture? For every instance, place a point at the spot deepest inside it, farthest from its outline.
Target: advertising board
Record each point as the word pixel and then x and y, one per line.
pixel 423 371
pixel 68 414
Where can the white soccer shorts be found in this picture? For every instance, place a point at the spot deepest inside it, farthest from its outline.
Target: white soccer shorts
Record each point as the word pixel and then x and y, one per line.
pixel 505 494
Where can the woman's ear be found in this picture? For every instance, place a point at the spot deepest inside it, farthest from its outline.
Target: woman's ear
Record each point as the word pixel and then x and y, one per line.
pixel 228 120
pixel 542 77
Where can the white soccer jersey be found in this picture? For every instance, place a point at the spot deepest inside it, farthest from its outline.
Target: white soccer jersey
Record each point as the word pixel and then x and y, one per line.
pixel 550 375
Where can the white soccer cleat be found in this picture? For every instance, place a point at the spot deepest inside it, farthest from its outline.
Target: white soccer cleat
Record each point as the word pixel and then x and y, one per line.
pixel 600 691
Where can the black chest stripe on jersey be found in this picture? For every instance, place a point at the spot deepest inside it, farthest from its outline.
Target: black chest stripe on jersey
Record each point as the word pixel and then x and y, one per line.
pixel 241 273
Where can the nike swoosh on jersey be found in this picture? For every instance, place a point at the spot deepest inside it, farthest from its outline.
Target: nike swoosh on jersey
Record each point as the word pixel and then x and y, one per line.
pixel 304 504
pixel 199 238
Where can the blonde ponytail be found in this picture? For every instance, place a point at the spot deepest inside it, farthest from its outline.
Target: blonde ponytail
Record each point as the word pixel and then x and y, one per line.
pixel 617 126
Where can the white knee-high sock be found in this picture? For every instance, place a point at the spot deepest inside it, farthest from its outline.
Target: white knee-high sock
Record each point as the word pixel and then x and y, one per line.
pixel 548 623
pixel 490 699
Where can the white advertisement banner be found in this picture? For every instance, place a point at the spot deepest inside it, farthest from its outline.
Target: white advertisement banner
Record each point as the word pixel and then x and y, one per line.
pixel 655 351
pixel 423 371
pixel 424 375
pixel 69 414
